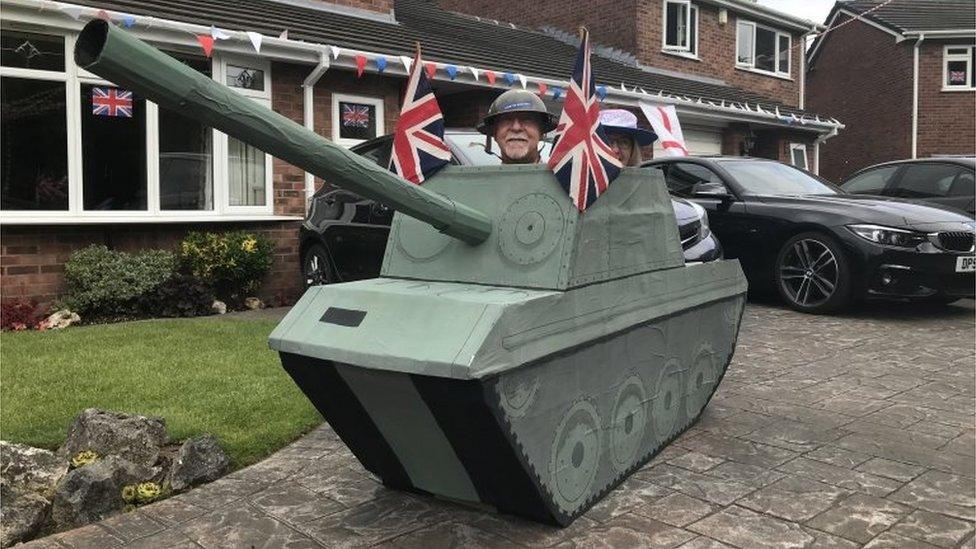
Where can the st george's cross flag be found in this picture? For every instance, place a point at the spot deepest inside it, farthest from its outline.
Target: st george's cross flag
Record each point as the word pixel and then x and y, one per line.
pixel 111 102
pixel 664 120
pixel 581 159
pixel 419 149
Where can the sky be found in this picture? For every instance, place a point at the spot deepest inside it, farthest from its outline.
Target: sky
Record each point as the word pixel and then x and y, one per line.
pixel 814 10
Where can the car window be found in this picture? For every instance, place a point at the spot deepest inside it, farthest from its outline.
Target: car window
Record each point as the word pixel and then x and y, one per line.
pixel 928 180
pixel 378 152
pixel 685 179
pixel 871 181
pixel 762 177
pixel 472 146
pixel 964 185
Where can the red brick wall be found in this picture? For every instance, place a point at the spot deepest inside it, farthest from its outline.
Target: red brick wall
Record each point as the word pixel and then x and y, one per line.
pixel 864 79
pixel 636 26
pixel 946 119
pixel 379 6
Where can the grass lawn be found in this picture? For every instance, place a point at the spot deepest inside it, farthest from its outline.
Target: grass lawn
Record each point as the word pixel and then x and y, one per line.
pixel 202 375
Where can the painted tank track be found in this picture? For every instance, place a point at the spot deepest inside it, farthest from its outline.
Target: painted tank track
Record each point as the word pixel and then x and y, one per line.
pixel 672 361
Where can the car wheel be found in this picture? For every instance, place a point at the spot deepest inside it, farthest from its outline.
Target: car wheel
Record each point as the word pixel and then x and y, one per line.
pixel 316 268
pixel 812 274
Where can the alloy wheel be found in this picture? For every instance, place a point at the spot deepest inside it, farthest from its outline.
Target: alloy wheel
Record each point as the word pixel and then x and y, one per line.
pixel 809 273
pixel 316 271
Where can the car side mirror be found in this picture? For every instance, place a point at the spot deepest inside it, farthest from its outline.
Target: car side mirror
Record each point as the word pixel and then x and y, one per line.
pixel 711 190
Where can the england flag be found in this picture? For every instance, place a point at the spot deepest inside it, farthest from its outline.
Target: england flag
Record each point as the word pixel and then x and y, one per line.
pixel 419 149
pixel 583 162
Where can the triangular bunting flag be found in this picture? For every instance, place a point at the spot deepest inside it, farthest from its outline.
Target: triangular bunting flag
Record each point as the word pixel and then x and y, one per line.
pixel 102 14
pixel 406 62
pixel 543 88
pixel 451 71
pixel 601 92
pixel 360 64
pixel 380 63
pixel 255 39
pixel 207 43
pixel 283 35
pixel 218 34
pixel 431 69
pixel 336 50
pixel 522 80
pixel 73 11
pixel 128 21
pixel 474 72
pixel 557 93
pixel 490 75
pixel 510 78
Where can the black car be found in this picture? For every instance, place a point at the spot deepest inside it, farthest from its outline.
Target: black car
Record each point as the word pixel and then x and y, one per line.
pixel 946 181
pixel 820 247
pixel 344 235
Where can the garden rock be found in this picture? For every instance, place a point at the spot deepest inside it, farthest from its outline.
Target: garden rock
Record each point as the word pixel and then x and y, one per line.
pixel 21 516
pixel 60 319
pixel 30 470
pixel 132 437
pixel 94 492
pixel 199 460
pixel 218 307
pixel 253 303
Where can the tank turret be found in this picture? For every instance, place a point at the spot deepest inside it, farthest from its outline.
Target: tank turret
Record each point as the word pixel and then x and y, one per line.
pixel 532 367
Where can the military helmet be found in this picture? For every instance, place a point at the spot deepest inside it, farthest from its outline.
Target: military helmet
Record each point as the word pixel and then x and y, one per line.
pixel 518 101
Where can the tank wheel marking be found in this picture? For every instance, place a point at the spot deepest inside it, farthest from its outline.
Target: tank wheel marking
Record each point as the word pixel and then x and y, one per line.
pixel 667 402
pixel 629 422
pixel 701 381
pixel 575 456
pixel 517 393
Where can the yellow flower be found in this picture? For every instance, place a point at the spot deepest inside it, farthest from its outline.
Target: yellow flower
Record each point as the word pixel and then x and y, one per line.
pixel 249 245
pixel 83 458
pixel 129 493
pixel 147 491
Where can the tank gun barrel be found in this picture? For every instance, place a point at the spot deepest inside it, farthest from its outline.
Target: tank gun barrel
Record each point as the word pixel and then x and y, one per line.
pixel 120 57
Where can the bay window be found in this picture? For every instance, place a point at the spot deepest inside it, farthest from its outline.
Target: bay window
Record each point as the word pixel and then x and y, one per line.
pixel 959 68
pixel 680 27
pixel 762 49
pixel 76 146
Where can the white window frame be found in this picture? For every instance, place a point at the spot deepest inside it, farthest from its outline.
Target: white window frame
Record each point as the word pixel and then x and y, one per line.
pixel 968 58
pixel 220 146
pixel 73 77
pixel 375 101
pixel 799 147
pixel 691 50
pixel 751 65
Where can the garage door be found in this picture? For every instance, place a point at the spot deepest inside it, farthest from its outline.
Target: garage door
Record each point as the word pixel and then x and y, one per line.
pixel 699 142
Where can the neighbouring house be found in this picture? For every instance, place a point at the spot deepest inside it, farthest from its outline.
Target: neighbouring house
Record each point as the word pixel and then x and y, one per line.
pixel 902 77
pixel 70 177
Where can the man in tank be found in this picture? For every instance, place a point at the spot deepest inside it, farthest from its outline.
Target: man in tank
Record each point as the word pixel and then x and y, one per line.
pixel 517 120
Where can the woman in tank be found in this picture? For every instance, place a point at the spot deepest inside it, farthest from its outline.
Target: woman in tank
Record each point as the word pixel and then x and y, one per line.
pixel 624 137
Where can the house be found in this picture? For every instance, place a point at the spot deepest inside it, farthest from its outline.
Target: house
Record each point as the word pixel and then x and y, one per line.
pixel 69 178
pixel 902 77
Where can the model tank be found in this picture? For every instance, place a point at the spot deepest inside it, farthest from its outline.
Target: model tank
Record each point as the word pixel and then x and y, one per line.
pixel 513 352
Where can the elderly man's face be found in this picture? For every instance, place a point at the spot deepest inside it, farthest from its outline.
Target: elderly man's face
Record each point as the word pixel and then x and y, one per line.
pixel 517 135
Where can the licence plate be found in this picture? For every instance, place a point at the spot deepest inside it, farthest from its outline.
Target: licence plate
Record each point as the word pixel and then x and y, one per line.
pixel 966 264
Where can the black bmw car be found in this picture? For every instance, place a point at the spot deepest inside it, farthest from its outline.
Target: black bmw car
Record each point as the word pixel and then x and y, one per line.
pixel 819 246
pixel 946 181
pixel 344 235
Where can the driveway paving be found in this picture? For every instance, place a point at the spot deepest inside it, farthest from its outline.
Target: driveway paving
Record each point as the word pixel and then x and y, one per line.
pixel 846 431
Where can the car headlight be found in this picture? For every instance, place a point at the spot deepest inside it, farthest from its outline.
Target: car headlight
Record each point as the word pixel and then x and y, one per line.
pixel 889 236
pixel 703 215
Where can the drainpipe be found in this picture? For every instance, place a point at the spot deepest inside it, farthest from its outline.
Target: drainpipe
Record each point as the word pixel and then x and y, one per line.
pixel 918 44
pixel 816 148
pixel 308 88
pixel 803 71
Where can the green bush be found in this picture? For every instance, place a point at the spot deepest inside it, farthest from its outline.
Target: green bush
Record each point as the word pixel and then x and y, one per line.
pixel 233 263
pixel 106 282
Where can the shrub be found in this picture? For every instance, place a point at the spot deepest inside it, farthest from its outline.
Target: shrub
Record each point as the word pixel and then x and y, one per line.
pixel 105 282
pixel 232 262
pixel 179 296
pixel 20 314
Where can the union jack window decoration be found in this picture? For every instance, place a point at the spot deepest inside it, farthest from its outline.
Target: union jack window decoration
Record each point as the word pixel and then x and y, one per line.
pixel 419 149
pixel 355 116
pixel 111 102
pixel 957 77
pixel 581 159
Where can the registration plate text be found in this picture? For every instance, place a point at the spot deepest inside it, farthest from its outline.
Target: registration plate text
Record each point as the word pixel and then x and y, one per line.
pixel 966 264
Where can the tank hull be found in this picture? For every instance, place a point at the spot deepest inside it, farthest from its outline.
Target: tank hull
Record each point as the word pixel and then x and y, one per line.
pixel 545 440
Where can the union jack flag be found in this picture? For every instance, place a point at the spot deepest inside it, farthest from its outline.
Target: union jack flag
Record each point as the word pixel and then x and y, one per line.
pixel 583 162
pixel 419 149
pixel 111 102
pixel 355 116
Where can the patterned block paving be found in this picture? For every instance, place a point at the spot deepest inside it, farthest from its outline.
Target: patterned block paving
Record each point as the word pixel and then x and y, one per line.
pixel 849 431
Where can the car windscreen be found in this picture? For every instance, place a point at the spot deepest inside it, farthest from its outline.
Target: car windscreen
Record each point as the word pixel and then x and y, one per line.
pixel 472 145
pixel 773 178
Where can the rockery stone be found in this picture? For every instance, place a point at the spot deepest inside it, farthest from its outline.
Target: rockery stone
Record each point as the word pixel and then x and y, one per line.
pixel 131 437
pixel 199 460
pixel 28 469
pixel 21 515
pixel 93 492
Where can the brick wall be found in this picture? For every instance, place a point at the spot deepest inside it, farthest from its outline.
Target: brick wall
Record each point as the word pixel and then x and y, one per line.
pixel 946 119
pixel 863 78
pixel 636 26
pixel 379 6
